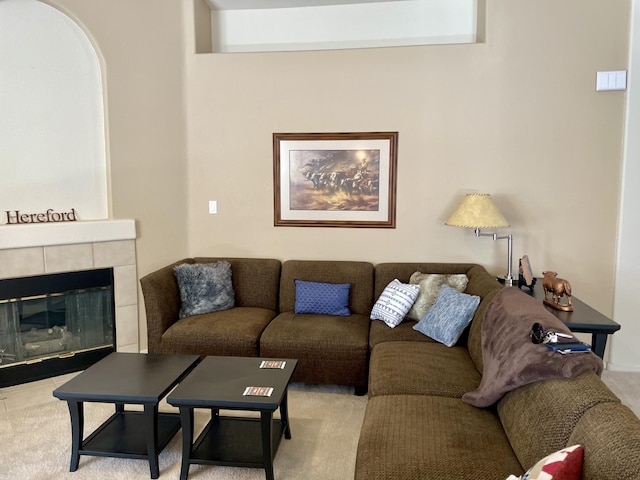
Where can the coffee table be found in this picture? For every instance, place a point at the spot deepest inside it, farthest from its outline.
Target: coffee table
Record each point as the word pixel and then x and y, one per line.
pixel 219 383
pixel 126 378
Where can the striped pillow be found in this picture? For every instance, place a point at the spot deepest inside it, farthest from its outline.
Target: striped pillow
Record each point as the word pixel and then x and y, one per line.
pixel 394 302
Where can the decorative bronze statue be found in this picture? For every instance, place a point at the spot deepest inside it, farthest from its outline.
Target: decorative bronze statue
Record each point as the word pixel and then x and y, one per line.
pixel 557 287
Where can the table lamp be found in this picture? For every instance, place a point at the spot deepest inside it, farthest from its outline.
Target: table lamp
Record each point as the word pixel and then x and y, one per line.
pixel 478 211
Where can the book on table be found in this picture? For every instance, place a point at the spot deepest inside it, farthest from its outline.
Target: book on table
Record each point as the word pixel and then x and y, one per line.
pixel 564 348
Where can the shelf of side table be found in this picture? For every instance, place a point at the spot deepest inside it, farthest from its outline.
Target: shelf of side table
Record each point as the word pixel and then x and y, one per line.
pixel 124 435
pixel 234 441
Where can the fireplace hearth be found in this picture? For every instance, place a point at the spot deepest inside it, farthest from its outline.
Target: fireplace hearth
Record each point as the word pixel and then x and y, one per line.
pixel 55 324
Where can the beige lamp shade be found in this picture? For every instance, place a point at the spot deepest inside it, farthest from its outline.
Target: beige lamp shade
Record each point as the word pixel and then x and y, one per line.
pixel 477 210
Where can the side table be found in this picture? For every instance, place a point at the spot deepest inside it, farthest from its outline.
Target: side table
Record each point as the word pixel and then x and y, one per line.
pixel 583 319
pixel 126 378
pixel 219 383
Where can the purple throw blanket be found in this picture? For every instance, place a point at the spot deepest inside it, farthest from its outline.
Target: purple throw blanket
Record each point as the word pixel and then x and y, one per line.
pixel 510 359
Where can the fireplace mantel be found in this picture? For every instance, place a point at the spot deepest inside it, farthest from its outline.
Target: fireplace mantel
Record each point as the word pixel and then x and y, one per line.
pixel 65 233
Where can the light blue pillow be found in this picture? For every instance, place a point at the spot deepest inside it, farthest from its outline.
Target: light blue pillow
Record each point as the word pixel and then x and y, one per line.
pixel 322 298
pixel 449 316
pixel 394 302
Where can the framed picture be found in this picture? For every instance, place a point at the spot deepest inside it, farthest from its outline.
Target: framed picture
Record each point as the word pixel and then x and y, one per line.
pixel 335 179
pixel 526 272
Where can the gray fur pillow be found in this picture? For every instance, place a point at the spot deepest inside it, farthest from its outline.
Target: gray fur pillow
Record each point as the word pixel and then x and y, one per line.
pixel 204 287
pixel 430 284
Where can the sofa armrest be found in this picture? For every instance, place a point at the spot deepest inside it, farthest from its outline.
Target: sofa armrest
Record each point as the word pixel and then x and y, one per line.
pixel 162 303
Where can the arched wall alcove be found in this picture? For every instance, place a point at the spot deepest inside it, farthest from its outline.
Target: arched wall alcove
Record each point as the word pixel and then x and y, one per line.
pixel 52 129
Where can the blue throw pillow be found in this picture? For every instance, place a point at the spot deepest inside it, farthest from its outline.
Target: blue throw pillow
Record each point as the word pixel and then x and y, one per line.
pixel 322 298
pixel 448 317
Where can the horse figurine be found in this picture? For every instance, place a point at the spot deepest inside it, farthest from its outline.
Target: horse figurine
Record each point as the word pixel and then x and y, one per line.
pixel 557 287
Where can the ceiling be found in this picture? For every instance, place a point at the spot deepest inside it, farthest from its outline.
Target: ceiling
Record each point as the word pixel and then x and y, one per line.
pixel 258 4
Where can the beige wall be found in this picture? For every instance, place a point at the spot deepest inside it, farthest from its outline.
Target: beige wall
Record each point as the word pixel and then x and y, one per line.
pixel 517 117
pixel 142 45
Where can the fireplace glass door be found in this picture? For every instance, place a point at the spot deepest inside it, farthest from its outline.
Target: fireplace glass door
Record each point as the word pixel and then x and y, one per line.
pixel 57 324
pixel 55 317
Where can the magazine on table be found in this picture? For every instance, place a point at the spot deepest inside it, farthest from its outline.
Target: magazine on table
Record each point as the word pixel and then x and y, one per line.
pixel 258 391
pixel 273 364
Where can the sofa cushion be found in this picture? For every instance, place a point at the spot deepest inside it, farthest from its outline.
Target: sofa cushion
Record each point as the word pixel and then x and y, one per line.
pixel 230 332
pixel 565 464
pixel 429 437
pixel 404 332
pixel 256 281
pixel 322 298
pixel 385 272
pixel 394 302
pixel 204 288
pixel 534 422
pixel 358 274
pixel 430 284
pixel 449 316
pixel 330 349
pixel 421 368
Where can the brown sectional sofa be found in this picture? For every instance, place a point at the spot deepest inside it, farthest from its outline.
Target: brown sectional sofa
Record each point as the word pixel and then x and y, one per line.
pixel 416 424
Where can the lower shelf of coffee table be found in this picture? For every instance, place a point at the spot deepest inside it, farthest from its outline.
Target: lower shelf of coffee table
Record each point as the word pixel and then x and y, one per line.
pixel 124 434
pixel 234 441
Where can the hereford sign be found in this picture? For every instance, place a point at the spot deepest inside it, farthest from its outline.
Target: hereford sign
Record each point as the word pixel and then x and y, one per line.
pixel 16 217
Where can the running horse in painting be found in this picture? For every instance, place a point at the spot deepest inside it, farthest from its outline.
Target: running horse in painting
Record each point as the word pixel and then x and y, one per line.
pixel 558 287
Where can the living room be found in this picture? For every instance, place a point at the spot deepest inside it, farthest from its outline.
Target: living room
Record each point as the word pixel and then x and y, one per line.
pixel 515 115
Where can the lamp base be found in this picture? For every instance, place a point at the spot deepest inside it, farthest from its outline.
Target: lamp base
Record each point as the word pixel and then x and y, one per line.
pixel 508 281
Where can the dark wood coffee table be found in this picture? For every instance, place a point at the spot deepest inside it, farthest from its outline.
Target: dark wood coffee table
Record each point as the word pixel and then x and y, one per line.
pixel 219 383
pixel 126 378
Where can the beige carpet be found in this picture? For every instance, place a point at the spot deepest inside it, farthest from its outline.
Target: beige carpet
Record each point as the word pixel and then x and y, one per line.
pixel 325 425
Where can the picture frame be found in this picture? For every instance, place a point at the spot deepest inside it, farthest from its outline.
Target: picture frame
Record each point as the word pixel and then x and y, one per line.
pixel 335 179
pixel 526 277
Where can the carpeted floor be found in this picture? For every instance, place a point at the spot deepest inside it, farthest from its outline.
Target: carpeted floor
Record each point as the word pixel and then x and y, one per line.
pixel 325 423
pixel 325 426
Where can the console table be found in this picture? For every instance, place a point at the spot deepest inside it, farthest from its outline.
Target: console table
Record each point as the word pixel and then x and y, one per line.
pixel 583 319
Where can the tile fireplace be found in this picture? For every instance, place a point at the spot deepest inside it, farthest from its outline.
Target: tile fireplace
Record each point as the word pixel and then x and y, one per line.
pixel 46 326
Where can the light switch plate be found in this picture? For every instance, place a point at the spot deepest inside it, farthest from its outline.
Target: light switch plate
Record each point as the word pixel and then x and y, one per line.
pixel 612 80
pixel 213 207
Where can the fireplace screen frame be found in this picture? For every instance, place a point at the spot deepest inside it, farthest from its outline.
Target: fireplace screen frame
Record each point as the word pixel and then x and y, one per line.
pixel 55 343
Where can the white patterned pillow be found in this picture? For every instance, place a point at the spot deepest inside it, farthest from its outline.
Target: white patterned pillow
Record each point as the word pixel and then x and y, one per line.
pixel 394 302
pixel 430 284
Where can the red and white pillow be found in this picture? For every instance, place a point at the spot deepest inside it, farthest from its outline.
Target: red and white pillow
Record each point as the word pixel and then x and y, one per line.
pixel 565 464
